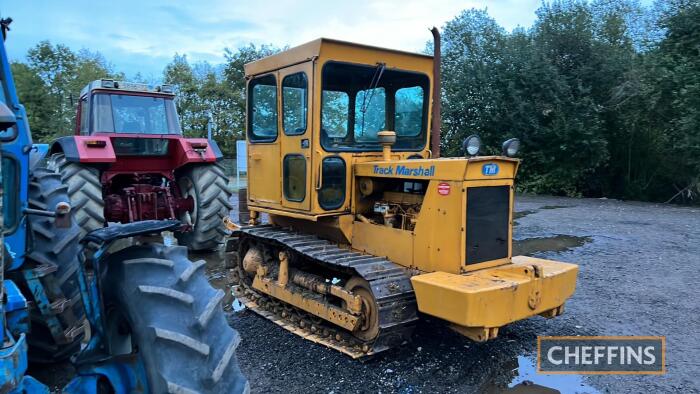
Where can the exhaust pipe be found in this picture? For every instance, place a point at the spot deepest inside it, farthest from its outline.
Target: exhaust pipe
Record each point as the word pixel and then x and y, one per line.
pixel 436 120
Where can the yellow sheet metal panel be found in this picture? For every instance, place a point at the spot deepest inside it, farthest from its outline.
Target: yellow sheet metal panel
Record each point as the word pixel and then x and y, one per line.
pixel 505 168
pixel 338 50
pixel 439 232
pixel 395 244
pixel 443 169
pixel 285 58
pixel 457 168
pixel 344 51
pixel 264 179
pixel 294 144
pixel 488 182
pixel 493 297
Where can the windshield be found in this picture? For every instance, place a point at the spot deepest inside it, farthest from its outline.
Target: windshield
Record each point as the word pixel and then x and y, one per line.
pixel 359 101
pixel 121 113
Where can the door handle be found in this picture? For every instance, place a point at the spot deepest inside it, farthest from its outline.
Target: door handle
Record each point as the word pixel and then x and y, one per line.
pixel 319 183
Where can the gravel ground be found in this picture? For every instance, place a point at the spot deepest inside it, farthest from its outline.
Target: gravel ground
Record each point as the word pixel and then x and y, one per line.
pixel 637 264
pixel 637 261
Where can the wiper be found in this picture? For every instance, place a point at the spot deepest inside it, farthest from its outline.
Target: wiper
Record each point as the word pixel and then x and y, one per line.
pixel 372 86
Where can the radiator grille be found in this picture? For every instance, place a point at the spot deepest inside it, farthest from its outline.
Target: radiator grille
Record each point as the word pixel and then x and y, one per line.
pixel 488 210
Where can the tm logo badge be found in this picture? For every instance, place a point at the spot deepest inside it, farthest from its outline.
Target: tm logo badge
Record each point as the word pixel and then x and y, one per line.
pixel 489 169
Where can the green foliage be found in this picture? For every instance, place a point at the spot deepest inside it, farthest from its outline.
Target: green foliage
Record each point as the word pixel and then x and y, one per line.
pixel 604 95
pixel 601 108
pixel 49 85
pixel 204 90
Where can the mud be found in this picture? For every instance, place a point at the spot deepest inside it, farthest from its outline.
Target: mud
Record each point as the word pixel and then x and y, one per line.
pixel 557 243
pixel 637 267
pixel 637 264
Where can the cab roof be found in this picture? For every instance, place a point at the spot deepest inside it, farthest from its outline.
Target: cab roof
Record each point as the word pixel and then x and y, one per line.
pixel 331 49
pixel 123 86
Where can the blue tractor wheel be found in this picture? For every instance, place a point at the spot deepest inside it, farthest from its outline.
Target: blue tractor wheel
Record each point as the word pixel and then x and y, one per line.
pixel 160 305
pixel 49 275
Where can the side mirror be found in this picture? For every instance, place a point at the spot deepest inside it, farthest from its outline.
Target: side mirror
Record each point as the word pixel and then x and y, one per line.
pixel 7 117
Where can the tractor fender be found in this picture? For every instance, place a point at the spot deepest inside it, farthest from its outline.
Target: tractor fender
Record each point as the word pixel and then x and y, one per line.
pixel 37 153
pixel 76 149
pixel 217 152
pixel 186 152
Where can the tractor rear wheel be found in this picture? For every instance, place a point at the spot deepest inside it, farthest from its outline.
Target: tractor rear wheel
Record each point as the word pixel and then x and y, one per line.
pixel 208 186
pixel 84 191
pixel 50 276
pixel 160 305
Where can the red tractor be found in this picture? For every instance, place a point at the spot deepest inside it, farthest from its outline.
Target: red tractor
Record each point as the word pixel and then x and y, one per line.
pixel 129 162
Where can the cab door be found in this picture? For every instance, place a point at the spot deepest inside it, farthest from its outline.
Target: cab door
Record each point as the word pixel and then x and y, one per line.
pixel 263 141
pixel 295 135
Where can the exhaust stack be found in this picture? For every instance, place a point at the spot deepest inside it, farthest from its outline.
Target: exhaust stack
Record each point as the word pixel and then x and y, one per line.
pixel 436 119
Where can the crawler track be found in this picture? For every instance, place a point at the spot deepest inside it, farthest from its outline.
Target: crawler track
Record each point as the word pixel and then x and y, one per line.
pixel 389 282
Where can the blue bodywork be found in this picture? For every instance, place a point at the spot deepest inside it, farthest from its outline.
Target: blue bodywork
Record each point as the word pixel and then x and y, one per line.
pixel 16 146
pixel 94 364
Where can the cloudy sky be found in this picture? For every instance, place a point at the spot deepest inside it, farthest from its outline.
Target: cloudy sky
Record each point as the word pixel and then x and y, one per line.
pixel 142 35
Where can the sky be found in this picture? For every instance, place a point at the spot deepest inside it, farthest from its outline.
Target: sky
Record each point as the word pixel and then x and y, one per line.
pixel 143 35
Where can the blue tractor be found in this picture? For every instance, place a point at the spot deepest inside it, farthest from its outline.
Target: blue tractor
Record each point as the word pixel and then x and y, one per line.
pixel 134 316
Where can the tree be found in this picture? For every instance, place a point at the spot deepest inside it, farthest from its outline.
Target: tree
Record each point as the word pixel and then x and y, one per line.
pixel 39 103
pixel 207 92
pixel 235 85
pixel 472 55
pixel 49 85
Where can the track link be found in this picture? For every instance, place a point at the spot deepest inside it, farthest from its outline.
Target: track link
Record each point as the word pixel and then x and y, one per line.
pixel 390 284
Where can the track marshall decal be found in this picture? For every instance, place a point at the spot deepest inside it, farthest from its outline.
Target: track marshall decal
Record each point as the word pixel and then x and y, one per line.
pixel 489 169
pixel 402 170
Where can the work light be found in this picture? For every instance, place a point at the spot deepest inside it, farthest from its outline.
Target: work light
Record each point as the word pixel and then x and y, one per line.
pixel 510 147
pixel 472 145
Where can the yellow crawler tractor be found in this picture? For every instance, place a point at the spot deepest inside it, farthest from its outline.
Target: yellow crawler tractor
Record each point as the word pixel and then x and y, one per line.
pixel 366 226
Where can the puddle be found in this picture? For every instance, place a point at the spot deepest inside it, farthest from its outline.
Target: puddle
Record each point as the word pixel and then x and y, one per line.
pixel 522 214
pixel 634 223
pixel 215 272
pixel 525 379
pixel 169 238
pixel 237 305
pixel 554 206
pixel 557 243
pixel 219 278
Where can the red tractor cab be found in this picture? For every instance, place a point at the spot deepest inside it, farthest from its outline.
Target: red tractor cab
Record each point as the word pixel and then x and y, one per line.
pixel 128 162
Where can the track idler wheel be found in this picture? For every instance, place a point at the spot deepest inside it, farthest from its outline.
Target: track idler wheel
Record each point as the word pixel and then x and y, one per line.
pixel 369 328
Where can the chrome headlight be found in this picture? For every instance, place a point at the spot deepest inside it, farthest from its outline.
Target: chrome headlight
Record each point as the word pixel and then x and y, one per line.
pixel 472 145
pixel 511 147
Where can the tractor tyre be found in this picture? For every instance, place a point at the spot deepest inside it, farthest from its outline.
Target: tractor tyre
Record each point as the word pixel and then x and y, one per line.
pixel 160 305
pixel 49 278
pixel 84 190
pixel 208 186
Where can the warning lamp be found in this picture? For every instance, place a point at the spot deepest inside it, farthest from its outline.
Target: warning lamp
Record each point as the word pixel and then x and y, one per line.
pixel 511 147
pixel 96 143
pixel 472 145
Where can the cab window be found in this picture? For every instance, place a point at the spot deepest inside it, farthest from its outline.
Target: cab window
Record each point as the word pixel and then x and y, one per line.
pixel 10 197
pixel 332 192
pixel 262 109
pixel 84 116
pixel 359 100
pixel 336 106
pixel 10 133
pixel 294 177
pixel 408 118
pixel 370 115
pixel 294 103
